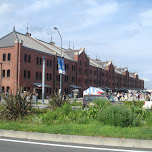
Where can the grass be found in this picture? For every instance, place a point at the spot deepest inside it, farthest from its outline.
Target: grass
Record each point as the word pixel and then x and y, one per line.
pixel 62 121
pixel 92 129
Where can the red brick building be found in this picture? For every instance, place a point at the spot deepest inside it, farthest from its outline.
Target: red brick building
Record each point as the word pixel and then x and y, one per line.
pixel 21 58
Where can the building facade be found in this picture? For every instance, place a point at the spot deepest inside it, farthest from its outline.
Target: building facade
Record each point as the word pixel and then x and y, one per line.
pixel 21 60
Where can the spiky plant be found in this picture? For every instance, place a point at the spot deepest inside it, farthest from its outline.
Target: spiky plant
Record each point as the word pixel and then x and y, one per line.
pixel 56 101
pixel 16 106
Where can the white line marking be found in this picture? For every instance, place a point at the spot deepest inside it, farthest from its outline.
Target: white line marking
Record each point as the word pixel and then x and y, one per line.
pixel 69 146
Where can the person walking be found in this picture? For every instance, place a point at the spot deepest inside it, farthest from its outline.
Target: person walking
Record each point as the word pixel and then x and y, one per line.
pixel 147 97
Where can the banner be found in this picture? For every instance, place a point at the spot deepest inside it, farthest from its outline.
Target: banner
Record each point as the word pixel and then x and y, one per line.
pixel 61 69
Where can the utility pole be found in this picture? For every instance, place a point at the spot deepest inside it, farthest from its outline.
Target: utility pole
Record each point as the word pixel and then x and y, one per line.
pixel 0 80
pixel 60 90
pixel 43 80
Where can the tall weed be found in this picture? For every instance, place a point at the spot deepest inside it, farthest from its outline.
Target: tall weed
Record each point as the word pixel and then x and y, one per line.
pixel 118 115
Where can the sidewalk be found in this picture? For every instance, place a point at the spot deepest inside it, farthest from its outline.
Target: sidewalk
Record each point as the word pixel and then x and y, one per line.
pixel 77 139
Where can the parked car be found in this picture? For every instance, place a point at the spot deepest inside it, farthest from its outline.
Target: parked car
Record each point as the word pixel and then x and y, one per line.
pixel 90 98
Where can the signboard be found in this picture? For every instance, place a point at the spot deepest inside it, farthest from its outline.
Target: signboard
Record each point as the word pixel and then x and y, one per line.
pixel 61 67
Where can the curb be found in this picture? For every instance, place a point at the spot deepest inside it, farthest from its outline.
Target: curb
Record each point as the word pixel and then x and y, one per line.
pixel 78 139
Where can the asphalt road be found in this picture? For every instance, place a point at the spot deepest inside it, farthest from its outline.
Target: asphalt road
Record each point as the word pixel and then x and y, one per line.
pixel 20 145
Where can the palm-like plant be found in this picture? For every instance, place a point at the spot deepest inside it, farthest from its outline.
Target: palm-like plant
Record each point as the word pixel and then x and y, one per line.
pixel 16 105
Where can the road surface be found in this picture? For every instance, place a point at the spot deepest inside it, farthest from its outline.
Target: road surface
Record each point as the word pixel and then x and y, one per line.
pixel 20 145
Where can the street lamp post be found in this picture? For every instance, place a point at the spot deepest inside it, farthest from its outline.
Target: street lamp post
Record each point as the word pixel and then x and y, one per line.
pixel 43 80
pixel 0 80
pixel 60 91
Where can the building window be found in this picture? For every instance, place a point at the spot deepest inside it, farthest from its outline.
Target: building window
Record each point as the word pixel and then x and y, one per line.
pixel 47 90
pixel 47 76
pixel 29 74
pixel 79 71
pixel 56 77
pixel 50 77
pixel 85 64
pixel 57 66
pixel 9 57
pixel 47 62
pixel 91 72
pixel 67 66
pixel 37 75
pixel 24 73
pixel 28 88
pixel 37 60
pixel 72 79
pixel 8 73
pixel 50 63
pixel 40 75
pixel 3 89
pixel 3 73
pixel 72 67
pixel 25 57
pixel 24 88
pixel 50 90
pixel 29 58
pixel 67 90
pixel 7 90
pixel 40 61
pixel 4 57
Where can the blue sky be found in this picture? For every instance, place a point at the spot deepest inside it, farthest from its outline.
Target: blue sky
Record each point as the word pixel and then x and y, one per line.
pixel 117 30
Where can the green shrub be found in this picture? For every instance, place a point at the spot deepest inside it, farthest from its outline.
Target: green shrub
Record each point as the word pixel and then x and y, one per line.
pixel 56 101
pixel 39 111
pixel 118 115
pixel 148 117
pixel 15 105
pixel 134 103
pixel 101 103
pixel 50 116
pixel 75 103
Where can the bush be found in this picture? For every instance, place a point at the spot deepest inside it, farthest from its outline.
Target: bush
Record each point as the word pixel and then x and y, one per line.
pixel 56 101
pixel 75 103
pixel 118 115
pixel 134 103
pixel 101 103
pixel 16 105
pixel 148 117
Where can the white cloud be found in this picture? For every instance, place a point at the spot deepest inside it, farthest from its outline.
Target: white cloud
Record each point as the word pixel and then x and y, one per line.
pixel 90 2
pixel 5 8
pixel 146 80
pixel 146 14
pixel 146 17
pixel 40 5
pixel 91 15
pixel 99 13
pixel 133 28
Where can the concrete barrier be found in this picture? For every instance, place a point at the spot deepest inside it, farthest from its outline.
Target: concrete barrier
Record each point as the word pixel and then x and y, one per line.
pixel 77 139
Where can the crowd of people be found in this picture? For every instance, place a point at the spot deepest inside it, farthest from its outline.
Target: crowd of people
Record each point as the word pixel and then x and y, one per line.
pixel 132 96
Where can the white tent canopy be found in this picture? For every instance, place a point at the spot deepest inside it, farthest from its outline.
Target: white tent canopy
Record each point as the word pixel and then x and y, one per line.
pixel 93 90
